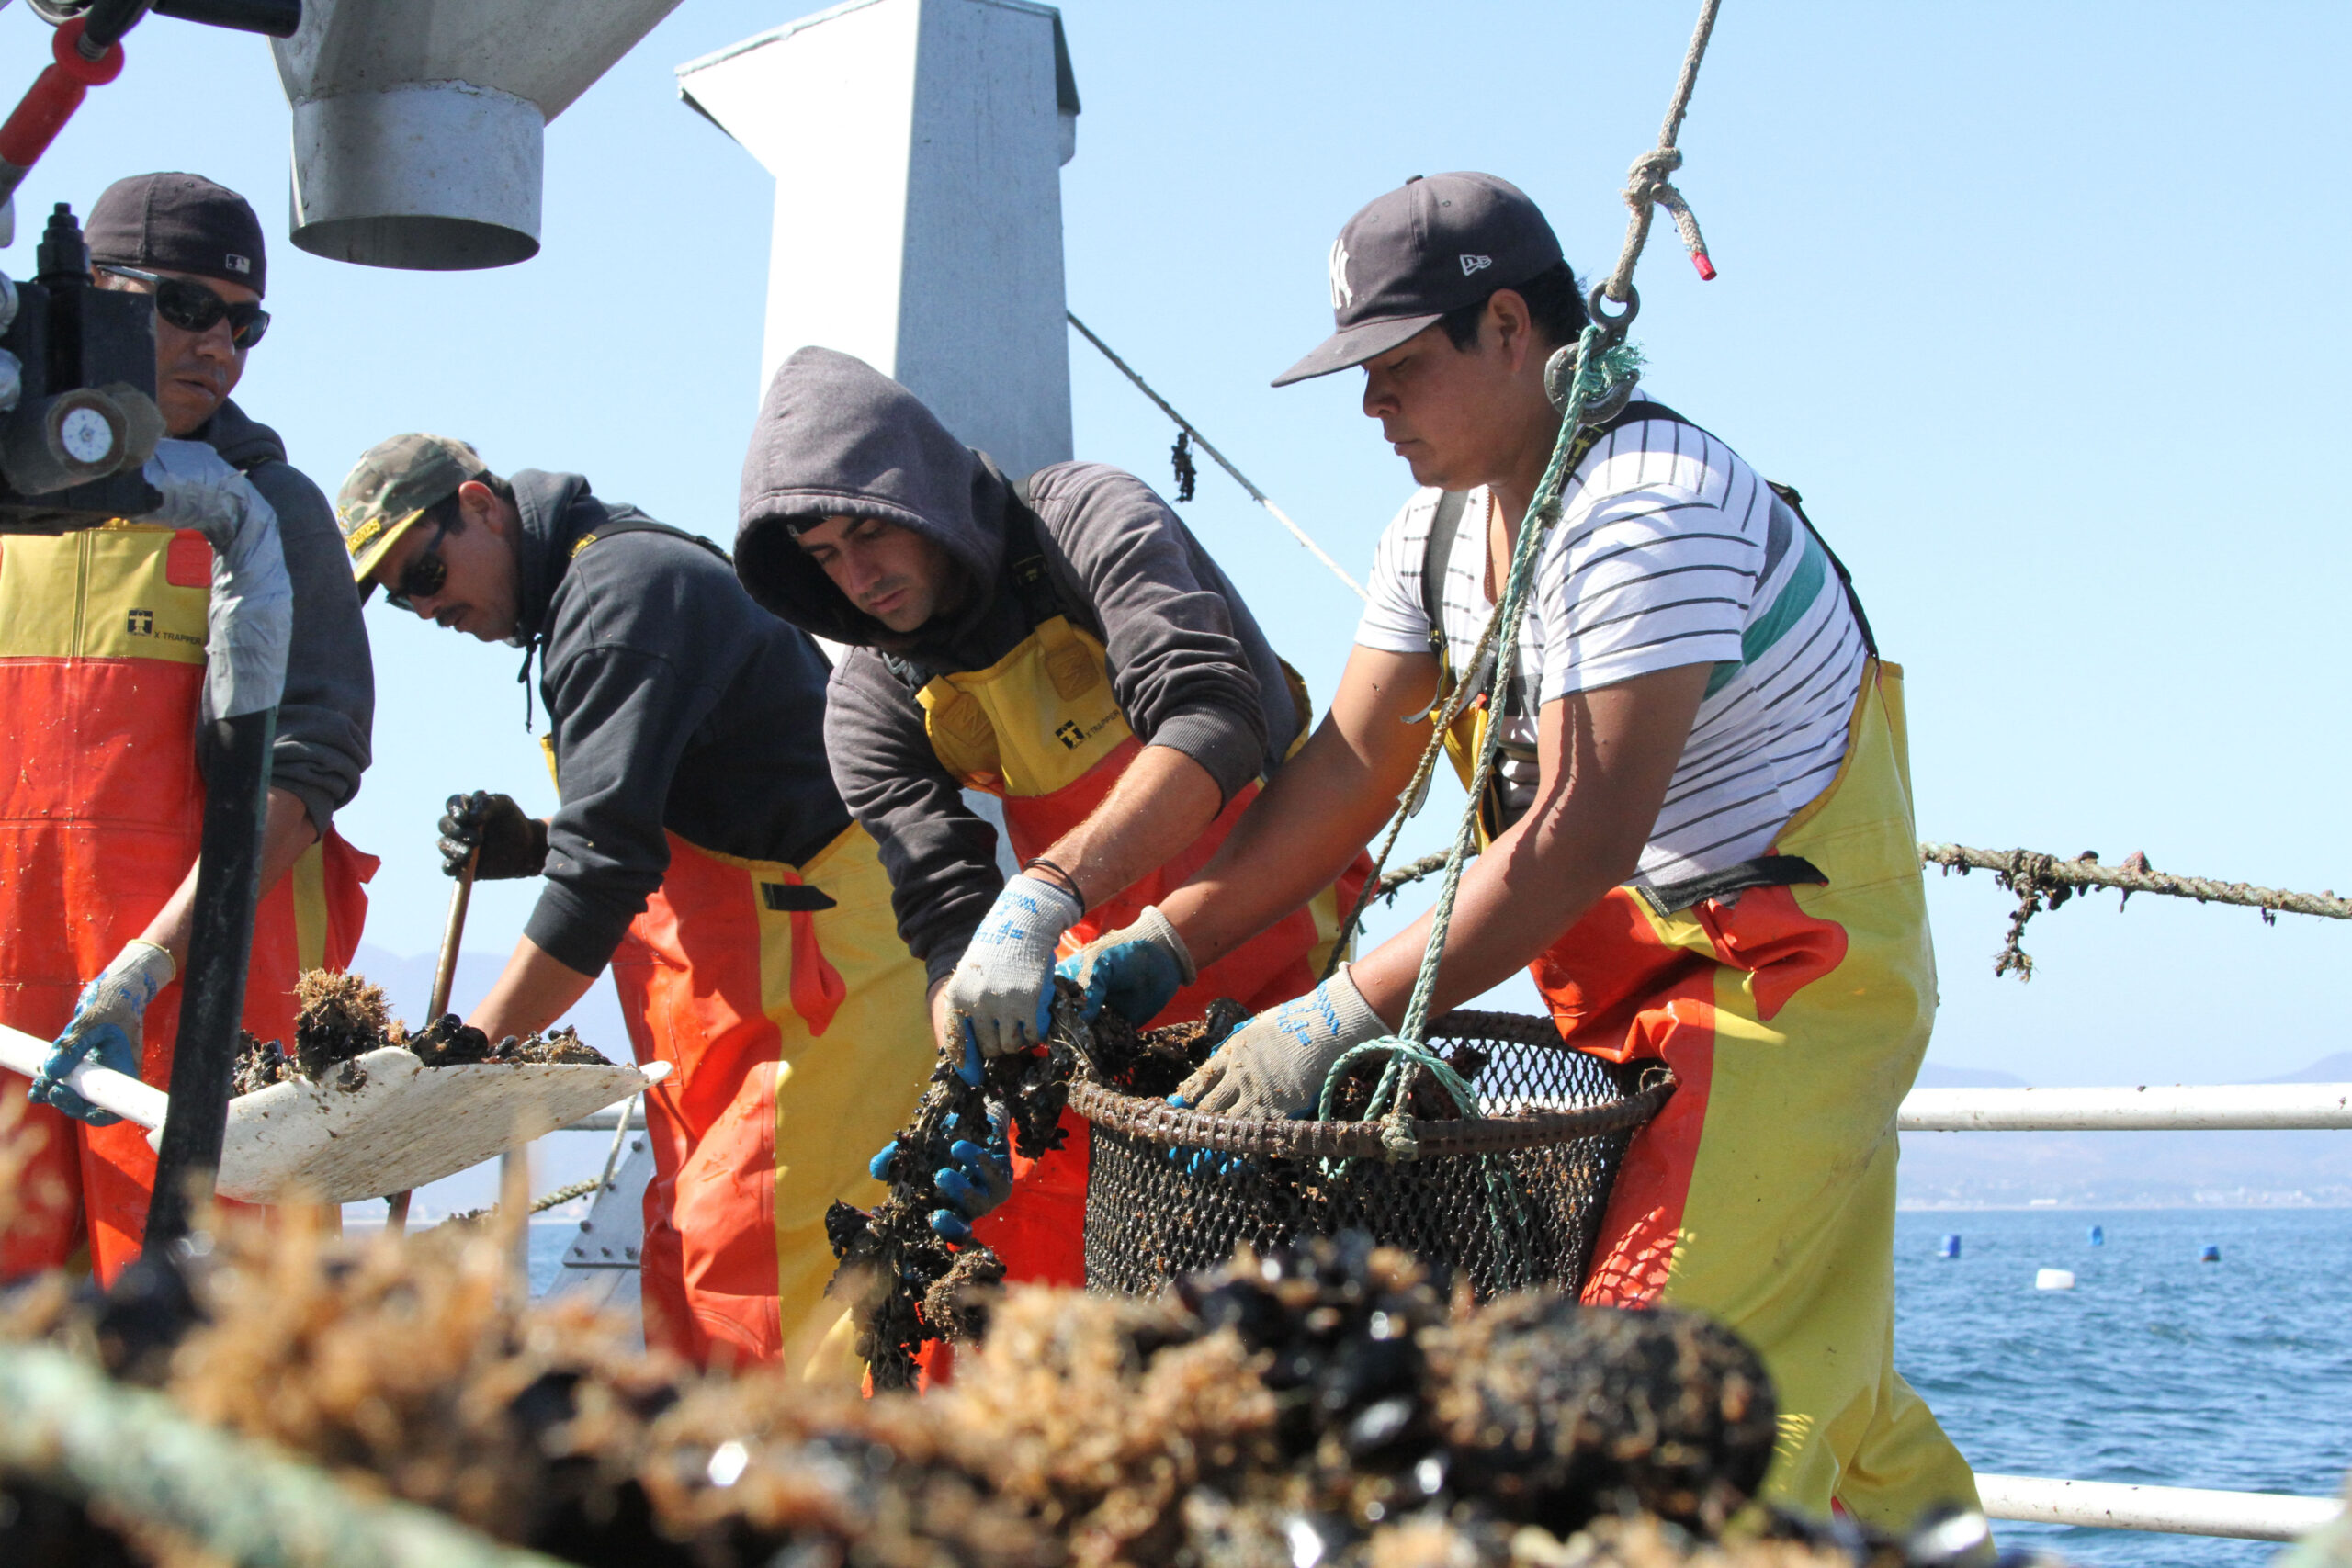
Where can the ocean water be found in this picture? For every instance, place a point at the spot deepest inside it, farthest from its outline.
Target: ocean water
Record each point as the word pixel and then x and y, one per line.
pixel 2156 1369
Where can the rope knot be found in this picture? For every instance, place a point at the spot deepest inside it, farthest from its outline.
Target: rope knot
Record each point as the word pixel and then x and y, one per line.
pixel 1397 1139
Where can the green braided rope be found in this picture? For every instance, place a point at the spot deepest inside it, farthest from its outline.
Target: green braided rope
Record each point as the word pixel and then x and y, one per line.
pixel 1597 368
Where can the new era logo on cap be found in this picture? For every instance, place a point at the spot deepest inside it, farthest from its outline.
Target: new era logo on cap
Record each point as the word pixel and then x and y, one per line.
pixel 1432 245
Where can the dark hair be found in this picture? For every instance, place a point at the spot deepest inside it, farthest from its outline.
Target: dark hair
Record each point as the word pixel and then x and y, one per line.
pixel 445 516
pixel 1551 299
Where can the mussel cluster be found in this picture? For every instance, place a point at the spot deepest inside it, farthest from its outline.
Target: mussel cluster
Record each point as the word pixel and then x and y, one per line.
pixel 906 1287
pixel 1321 1406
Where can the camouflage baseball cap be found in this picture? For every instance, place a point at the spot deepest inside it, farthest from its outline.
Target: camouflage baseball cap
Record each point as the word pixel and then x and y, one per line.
pixel 389 488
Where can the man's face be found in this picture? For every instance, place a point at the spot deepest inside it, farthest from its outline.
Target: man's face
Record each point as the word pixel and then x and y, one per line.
pixel 195 372
pixel 482 593
pixel 894 574
pixel 1454 415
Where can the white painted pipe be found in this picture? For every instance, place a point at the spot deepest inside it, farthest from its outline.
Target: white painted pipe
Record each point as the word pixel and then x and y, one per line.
pixel 103 1087
pixel 2210 1108
pixel 2195 1107
pixel 2176 1510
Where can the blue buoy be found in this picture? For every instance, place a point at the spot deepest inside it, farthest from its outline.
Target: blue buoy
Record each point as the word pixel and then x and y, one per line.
pixel 2098 1236
pixel 1950 1247
pixel 2210 1254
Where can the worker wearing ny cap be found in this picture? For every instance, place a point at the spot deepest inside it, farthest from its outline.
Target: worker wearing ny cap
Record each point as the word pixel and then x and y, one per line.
pixel 102 660
pixel 1700 842
pixel 699 848
pixel 1062 643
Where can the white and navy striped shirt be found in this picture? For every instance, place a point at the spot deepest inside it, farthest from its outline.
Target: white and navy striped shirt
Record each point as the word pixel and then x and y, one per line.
pixel 1669 551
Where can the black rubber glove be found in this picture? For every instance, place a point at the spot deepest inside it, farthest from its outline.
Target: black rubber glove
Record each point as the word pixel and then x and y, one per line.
pixel 512 844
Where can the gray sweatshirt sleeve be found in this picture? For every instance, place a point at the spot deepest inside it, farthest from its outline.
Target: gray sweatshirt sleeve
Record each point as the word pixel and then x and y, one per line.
pixel 941 857
pixel 1178 667
pixel 327 713
pixel 628 715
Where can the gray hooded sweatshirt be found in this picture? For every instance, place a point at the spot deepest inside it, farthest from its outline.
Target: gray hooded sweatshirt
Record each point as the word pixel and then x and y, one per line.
pixel 329 706
pixel 1188 665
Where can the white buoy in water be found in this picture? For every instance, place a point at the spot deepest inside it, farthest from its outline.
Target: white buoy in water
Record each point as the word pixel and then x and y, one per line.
pixel 2054 1279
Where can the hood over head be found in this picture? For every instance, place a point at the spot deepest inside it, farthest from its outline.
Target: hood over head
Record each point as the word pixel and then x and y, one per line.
pixel 836 438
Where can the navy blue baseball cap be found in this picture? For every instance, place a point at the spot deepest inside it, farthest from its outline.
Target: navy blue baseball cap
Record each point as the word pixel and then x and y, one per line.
pixel 1432 245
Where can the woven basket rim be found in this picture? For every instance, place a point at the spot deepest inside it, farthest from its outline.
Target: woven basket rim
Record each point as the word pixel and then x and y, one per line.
pixel 1155 1120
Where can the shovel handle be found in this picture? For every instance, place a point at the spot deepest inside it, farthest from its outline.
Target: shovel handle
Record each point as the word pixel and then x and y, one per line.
pixel 102 1087
pixel 444 974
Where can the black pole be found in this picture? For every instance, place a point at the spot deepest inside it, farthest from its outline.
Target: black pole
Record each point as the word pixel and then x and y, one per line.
pixel 212 985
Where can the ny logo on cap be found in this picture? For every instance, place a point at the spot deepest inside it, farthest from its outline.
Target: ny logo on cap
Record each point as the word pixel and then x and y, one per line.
pixel 1475 264
pixel 238 263
pixel 1342 295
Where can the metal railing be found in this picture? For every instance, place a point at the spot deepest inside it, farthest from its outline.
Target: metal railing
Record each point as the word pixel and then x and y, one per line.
pixel 2140 1108
pixel 2177 1510
pixel 2144 1107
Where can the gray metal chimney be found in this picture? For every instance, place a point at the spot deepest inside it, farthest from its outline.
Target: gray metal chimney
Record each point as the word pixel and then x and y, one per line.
pixel 418 123
pixel 917 147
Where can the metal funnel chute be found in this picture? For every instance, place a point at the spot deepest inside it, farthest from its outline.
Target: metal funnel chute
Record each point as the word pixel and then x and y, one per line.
pixel 418 124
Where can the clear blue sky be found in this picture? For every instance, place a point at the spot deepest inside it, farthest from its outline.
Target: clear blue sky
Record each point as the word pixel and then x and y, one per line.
pixel 2037 305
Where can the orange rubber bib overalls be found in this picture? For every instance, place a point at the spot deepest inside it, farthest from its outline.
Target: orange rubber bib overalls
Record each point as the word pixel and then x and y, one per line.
pixel 101 815
pixel 1794 1015
pixel 798 1029
pixel 1042 729
pixel 797 1025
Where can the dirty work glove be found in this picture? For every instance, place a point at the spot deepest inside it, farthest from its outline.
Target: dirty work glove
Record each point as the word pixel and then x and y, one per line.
pixel 879 1166
pixel 1274 1065
pixel 104 1027
pixel 981 1178
pixel 1004 988
pixel 512 844
pixel 1134 971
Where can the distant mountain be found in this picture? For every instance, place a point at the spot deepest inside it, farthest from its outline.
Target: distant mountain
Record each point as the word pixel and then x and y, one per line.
pixel 1936 1075
pixel 2327 1070
pixel 408 985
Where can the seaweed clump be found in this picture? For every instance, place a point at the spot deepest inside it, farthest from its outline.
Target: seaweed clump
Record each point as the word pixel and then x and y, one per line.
pixel 342 1017
pixel 1324 1405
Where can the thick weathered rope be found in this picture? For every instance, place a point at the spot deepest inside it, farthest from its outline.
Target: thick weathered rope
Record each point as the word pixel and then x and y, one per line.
pixel 566 1194
pixel 2087 872
pixel 237 1501
pixel 2045 882
pixel 1646 186
pixel 1189 428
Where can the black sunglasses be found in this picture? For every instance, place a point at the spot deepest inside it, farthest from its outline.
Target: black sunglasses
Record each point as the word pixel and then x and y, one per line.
pixel 423 577
pixel 191 307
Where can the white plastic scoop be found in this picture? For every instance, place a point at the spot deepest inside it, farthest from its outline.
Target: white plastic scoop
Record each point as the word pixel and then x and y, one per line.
pixel 405 1125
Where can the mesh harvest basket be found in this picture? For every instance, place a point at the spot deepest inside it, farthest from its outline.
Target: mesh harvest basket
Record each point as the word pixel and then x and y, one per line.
pixel 1508 1199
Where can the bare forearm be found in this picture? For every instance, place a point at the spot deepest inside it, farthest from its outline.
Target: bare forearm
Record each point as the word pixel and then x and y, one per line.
pixel 533 990
pixel 1607 757
pixel 1294 839
pixel 1515 901
pixel 287 831
pixel 1322 808
pixel 1163 802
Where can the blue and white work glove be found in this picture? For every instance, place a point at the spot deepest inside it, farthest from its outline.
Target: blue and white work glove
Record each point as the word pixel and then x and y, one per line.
pixel 1004 989
pixel 104 1027
pixel 1273 1066
pixel 1134 971
pixel 981 1178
